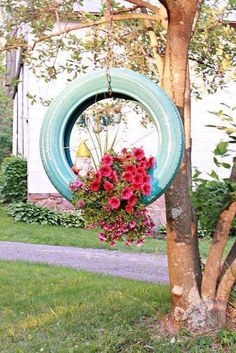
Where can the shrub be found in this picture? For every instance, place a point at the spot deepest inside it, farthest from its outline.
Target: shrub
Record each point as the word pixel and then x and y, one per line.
pixel 208 200
pixel 35 214
pixel 14 180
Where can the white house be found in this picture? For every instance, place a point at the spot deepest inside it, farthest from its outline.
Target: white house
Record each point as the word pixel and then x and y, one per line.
pixel 28 118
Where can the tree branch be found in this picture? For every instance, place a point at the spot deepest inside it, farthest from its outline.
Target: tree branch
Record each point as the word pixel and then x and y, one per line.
pixel 125 10
pixel 145 4
pixel 213 265
pixel 227 283
pixel 154 45
pixel 103 20
pixel 228 261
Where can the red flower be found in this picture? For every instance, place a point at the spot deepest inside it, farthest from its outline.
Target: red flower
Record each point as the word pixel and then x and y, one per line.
pixel 124 150
pixel 141 170
pixel 98 176
pixel 95 185
pixel 151 162
pixel 105 170
pixel 143 164
pixel 138 178
pixel 130 168
pixel 114 177
pixel 107 159
pixel 136 186
pixel 126 193
pixel 127 176
pixel 132 200
pixel 108 186
pixel 146 188
pixel 138 153
pixel 129 209
pixel 147 178
pixel 114 202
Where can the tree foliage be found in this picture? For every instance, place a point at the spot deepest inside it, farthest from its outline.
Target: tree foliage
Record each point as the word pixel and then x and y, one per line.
pixel 5 115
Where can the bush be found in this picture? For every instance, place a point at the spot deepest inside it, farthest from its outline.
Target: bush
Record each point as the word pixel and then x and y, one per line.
pixel 14 180
pixel 35 214
pixel 208 200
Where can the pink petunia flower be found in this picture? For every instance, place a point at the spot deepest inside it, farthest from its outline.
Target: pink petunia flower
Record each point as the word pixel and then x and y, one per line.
pixel 107 159
pixel 138 178
pixel 143 164
pixel 147 178
pixel 80 204
pixel 129 209
pixel 95 185
pixel 114 202
pixel 128 242
pixel 139 242
pixel 114 177
pixel 132 200
pixel 130 168
pixel 151 162
pixel 127 176
pixel 141 170
pixel 105 170
pixel 146 188
pixel 136 186
pixel 108 186
pixel 138 153
pixel 98 176
pixel 102 237
pixel 126 193
pixel 76 185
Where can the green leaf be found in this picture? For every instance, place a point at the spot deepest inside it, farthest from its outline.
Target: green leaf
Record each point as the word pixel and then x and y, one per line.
pixel 217 163
pixel 214 175
pixel 221 148
pixel 226 165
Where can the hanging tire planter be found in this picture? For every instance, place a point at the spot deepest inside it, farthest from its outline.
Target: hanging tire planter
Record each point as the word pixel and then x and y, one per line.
pixel 89 89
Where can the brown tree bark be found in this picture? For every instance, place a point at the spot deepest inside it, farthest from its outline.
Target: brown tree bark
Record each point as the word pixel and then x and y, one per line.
pixel 181 226
pixel 212 268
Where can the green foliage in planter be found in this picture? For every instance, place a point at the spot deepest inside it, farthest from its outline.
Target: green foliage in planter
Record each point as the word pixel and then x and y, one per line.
pixel 35 214
pixel 14 180
pixel 208 199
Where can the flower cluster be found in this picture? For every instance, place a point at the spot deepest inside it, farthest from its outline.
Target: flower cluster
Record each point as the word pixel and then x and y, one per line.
pixel 111 197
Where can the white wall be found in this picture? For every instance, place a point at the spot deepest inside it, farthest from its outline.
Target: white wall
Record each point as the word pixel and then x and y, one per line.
pixel 204 139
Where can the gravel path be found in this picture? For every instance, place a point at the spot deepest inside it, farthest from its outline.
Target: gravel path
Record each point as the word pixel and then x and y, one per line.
pixel 144 267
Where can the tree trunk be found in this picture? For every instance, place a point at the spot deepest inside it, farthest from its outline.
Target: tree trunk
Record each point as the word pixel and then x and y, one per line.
pixel 184 266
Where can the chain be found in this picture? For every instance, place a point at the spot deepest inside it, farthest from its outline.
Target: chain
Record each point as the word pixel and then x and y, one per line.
pixel 109 57
pixel 95 47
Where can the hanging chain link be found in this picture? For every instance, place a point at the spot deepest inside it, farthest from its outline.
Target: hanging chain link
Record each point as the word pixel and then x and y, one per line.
pixel 109 57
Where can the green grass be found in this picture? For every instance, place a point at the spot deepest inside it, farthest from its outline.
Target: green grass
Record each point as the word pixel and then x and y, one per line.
pixel 53 235
pixel 58 310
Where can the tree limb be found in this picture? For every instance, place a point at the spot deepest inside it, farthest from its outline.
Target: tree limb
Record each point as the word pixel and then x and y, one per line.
pixel 227 283
pixel 103 20
pixel 228 261
pixel 212 269
pixel 154 45
pixel 145 4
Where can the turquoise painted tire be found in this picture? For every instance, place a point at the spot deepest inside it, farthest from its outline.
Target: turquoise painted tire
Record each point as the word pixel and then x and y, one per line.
pixel 86 90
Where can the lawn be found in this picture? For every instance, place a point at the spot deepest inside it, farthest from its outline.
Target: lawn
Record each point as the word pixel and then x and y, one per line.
pixel 58 310
pixel 53 235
